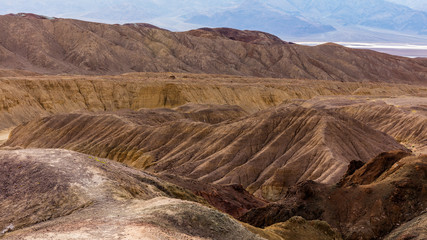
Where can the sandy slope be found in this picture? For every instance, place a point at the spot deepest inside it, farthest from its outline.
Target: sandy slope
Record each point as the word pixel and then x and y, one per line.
pixel 266 152
pixel 64 194
pixel 368 203
pixel 4 135
pixel 402 117
pixel 60 194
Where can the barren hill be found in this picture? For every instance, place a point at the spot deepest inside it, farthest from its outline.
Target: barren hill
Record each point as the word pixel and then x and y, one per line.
pixel 71 46
pixel 60 194
pixel 266 152
pixel 404 118
pixel 25 98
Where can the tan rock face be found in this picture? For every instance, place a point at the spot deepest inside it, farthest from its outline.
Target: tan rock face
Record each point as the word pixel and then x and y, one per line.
pixel 298 228
pixel 23 99
pixel 72 46
pixel 266 152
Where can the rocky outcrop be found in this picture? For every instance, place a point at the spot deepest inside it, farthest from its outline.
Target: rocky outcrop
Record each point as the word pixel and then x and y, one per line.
pixel 367 209
pixel 232 198
pixel 372 170
pixel 297 228
pixel 71 46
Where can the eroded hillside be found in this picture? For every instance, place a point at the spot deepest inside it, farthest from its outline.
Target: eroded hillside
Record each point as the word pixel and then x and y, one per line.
pixel 266 152
pixel 386 192
pixel 213 137
pixel 26 98
pixel 76 47
pixel 60 194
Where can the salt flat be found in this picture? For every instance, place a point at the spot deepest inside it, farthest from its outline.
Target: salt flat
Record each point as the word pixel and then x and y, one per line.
pixel 399 49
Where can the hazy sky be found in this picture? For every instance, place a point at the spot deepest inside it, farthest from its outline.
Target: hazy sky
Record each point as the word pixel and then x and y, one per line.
pixel 164 13
pixel 137 9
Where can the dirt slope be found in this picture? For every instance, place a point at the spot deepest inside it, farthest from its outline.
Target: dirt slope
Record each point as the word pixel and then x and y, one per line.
pixel 404 118
pixel 83 196
pixel 266 152
pixel 414 229
pixel 60 194
pixel 37 185
pixel 78 47
pixel 385 193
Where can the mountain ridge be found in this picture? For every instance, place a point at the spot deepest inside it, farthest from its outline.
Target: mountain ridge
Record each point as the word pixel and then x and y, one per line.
pixel 291 18
pixel 76 47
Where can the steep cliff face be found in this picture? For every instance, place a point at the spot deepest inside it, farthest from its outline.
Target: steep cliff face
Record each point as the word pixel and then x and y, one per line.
pixel 72 46
pixel 26 98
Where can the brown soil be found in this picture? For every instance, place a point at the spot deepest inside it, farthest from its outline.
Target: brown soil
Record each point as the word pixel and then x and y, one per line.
pixel 212 139
pixel 404 117
pixel 254 37
pixel 81 195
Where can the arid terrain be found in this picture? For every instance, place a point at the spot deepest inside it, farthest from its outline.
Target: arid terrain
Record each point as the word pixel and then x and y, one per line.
pixel 135 132
pixel 38 44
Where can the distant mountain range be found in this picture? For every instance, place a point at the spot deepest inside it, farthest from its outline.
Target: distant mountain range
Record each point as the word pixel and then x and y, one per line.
pixel 335 18
pixel 415 4
pixel 315 20
pixel 259 15
pixel 33 43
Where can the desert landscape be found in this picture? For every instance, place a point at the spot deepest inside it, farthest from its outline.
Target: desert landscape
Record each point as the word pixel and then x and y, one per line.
pixel 131 131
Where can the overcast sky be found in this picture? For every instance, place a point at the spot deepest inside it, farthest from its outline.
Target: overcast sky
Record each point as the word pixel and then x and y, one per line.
pixel 119 11
pixel 264 15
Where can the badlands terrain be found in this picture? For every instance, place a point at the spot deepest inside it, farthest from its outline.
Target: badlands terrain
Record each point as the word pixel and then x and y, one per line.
pixel 135 132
